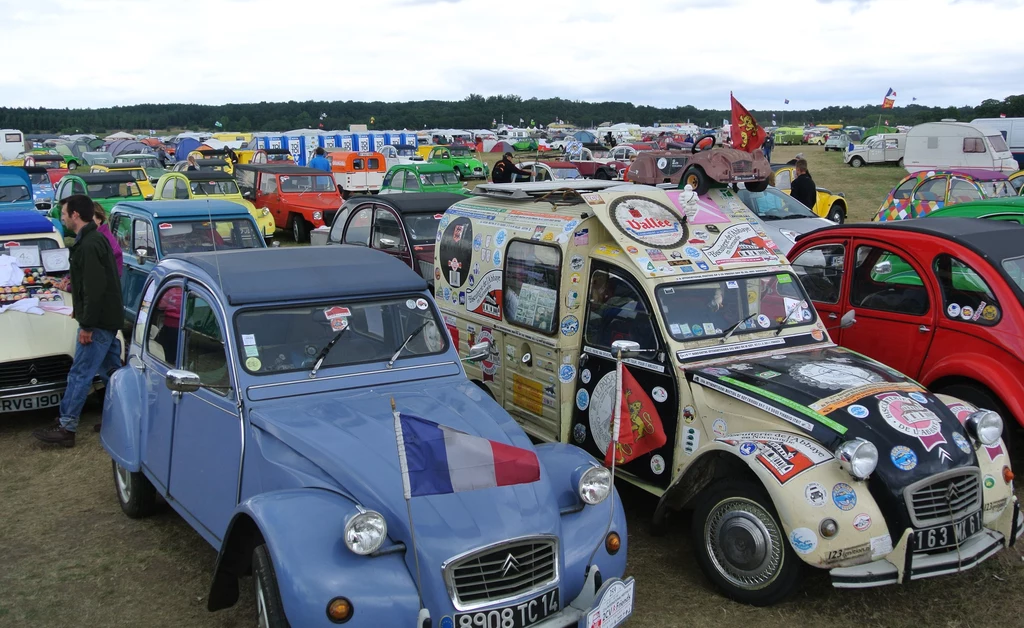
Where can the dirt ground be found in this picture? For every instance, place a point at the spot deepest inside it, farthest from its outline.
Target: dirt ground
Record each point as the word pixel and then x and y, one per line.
pixel 70 557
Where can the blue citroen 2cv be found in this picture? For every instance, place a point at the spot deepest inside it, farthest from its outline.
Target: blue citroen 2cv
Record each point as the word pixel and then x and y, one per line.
pixel 268 402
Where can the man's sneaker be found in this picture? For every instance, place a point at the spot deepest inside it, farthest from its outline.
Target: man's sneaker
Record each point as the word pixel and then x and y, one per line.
pixel 55 435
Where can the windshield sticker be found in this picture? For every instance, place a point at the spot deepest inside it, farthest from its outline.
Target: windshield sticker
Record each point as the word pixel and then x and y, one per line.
pixel 647 221
pixel 336 312
pixel 650 366
pixel 253 364
pixel 411 304
pixel 909 417
pixel 740 244
pixel 339 324
pixel 715 350
pixel 165 225
pixel 251 351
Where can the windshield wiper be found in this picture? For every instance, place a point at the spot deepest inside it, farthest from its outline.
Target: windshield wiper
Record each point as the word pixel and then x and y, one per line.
pixel 732 329
pixel 789 313
pixel 323 352
pixel 415 333
pixel 796 217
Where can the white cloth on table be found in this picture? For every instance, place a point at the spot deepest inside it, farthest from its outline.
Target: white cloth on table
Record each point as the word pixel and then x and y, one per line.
pixel 11 274
pixel 29 306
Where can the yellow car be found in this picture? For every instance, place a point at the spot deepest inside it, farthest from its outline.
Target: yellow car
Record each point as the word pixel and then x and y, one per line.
pixel 829 205
pixel 133 168
pixel 211 184
pixel 1017 181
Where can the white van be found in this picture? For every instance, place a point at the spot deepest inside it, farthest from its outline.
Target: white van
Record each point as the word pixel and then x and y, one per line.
pixel 1012 130
pixel 12 143
pixel 877 149
pixel 948 144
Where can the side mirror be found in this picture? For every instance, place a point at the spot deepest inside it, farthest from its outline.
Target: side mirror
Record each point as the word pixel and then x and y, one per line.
pixel 882 268
pixel 247 195
pixel 848 319
pixel 277 244
pixel 479 351
pixel 182 381
pixel 389 243
pixel 625 349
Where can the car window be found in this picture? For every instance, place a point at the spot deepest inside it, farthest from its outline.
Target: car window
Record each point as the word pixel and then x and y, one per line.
pixel 144 239
pixel 532 274
pixel 202 236
pixel 963 191
pixel 204 346
pixel 181 190
pixel 821 272
pixel 387 232
pixel 387 180
pixel 965 295
pixel 883 280
pixel 162 333
pixel 933 189
pixel 783 179
pixel 617 311
pixel 268 184
pixel 121 227
pixel 974 145
pixel 77 188
pixel 358 230
pixel 904 190
pixel 771 204
pixel 357 164
pixel 1014 267
pixel 412 182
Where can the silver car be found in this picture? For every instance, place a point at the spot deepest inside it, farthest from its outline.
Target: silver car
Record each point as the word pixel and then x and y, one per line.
pixel 784 217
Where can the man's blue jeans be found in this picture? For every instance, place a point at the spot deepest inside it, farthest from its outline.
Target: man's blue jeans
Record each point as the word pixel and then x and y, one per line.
pixel 98 357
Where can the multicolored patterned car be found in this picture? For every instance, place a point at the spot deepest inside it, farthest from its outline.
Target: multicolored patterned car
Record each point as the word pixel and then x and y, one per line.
pixel 920 194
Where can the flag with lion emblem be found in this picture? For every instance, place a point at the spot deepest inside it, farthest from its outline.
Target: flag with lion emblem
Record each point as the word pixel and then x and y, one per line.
pixel 747 135
pixel 640 430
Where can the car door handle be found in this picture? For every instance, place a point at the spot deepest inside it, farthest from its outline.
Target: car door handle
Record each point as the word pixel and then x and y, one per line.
pixel 924 329
pixel 833 316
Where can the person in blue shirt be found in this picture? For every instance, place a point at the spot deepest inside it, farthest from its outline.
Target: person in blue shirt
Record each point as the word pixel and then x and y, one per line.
pixel 319 161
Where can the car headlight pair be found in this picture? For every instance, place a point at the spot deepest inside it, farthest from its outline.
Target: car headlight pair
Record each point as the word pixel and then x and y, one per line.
pixel 365 532
pixel 593 484
pixel 985 426
pixel 858 457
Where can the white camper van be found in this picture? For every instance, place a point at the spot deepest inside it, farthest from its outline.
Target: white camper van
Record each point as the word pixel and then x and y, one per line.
pixel 1012 130
pixel 12 143
pixel 877 149
pixel 949 144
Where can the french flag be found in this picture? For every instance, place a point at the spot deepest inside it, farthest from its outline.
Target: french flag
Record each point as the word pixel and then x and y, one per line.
pixel 436 459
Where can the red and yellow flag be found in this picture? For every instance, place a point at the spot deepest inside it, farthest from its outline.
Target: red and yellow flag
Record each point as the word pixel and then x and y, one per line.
pixel 640 430
pixel 747 134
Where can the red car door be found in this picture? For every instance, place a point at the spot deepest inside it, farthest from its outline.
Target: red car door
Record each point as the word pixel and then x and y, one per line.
pixel 270 197
pixel 821 269
pixel 896 307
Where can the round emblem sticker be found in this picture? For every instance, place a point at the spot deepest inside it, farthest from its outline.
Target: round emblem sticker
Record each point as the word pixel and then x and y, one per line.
pixel 843 496
pixel 903 458
pixel 566 373
pixel 803 540
pixel 602 404
pixel 862 522
pixel 585 376
pixel 411 304
pixel 582 399
pixel 719 427
pixel 815 494
pixel 990 313
pixel 253 364
pixel 657 464
pixel 647 221
pixel 966 312
pixel 576 263
pixel 748 448
pixel 763 321
pixel 858 411
pixel 570 325
pixel 918 397
pixel 961 442
pixel 909 417
pixel 990 481
pixel 579 432
pixel 421 304
pixel 659 394
pixel 689 414
pixel 953 310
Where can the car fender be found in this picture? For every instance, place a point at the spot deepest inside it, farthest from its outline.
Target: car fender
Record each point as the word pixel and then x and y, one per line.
pixel 123 409
pixel 984 370
pixel 303 530
pixel 801 512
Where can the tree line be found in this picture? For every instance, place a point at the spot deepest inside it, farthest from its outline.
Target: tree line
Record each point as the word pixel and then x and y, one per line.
pixel 474 111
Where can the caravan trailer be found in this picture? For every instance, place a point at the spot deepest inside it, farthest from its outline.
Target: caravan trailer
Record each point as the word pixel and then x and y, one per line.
pixel 12 144
pixel 948 144
pixel 1012 130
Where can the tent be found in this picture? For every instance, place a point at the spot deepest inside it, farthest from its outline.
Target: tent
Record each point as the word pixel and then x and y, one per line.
pixel 118 147
pixel 501 147
pixel 585 137
pixel 119 136
pixel 875 130
pixel 185 146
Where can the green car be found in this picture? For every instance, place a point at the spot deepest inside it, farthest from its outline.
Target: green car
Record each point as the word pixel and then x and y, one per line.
pixel 461 160
pixel 525 145
pixel 1009 208
pixel 789 135
pixel 422 177
pixel 106 188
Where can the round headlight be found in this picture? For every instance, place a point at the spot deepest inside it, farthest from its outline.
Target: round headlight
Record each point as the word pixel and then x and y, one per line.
pixel 595 485
pixel 266 212
pixel 858 457
pixel 985 426
pixel 365 532
pixel 317 215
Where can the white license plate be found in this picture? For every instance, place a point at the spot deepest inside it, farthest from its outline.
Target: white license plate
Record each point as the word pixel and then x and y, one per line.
pixel 615 606
pixel 945 536
pixel 515 616
pixel 34 402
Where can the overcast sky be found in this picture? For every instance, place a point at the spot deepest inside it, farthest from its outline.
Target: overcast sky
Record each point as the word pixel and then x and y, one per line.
pixel 92 53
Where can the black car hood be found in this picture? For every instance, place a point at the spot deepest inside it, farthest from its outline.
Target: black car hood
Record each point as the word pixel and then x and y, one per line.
pixel 836 395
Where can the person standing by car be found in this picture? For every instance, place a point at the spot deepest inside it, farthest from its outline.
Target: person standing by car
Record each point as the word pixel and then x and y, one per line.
pixel 192 165
pixel 319 160
pixel 99 216
pixel 161 156
pixel 97 306
pixel 504 169
pixel 769 144
pixel 803 188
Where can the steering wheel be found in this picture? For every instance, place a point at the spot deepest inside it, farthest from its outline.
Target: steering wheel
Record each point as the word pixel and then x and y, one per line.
pixel 697 145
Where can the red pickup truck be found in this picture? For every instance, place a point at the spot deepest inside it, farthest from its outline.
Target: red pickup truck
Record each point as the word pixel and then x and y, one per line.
pixel 297 197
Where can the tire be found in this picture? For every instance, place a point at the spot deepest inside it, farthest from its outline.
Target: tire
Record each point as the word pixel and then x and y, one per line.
pixel 458 175
pixel 836 214
pixel 757 186
pixel 980 397
pixel 602 174
pixel 135 493
pixel 900 162
pixel 269 607
pixel 696 178
pixel 740 513
pixel 72 165
pixel 856 162
pixel 300 230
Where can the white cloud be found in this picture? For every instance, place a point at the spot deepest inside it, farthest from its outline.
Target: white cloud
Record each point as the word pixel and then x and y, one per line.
pixel 654 52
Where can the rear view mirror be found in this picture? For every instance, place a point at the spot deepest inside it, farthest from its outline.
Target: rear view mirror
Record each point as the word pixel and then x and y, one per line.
pixel 848 319
pixel 883 268
pixel 180 380
pixel 479 351
pixel 625 349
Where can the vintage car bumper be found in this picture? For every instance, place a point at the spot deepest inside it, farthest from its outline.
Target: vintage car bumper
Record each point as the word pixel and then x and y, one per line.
pixel 24 398
pixel 973 552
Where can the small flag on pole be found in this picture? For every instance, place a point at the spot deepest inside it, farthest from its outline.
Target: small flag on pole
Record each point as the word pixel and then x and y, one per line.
pixel 218 124
pixel 914 99
pixel 786 101
pixel 889 100
pixel 640 430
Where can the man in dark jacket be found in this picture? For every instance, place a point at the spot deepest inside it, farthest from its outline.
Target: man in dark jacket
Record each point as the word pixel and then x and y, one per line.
pixel 96 294
pixel 803 188
pixel 504 169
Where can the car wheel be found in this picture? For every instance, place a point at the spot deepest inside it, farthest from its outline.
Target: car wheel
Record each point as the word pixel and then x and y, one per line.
pixel 269 607
pixel 72 165
pixel 602 174
pixel 695 178
pixel 741 546
pixel 900 162
pixel 756 186
pixel 300 230
pixel 856 162
pixel 981 397
pixel 458 174
pixel 135 492
pixel 836 214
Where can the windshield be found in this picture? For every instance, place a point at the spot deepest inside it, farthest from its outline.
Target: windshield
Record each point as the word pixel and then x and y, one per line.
pixel 998 143
pixel 113 190
pixel 407 152
pixel 439 178
pixel 203 236
pixel 44 244
pixel 566 173
pixel 995 189
pixel 306 183
pixel 1014 267
pixel 145 162
pixel 290 338
pixel 279 157
pixel 213 188
pixel 39 178
pixel 773 204
pixel 708 309
pixel 459 151
pixel 14 193
pixel 422 228
pixel 137 173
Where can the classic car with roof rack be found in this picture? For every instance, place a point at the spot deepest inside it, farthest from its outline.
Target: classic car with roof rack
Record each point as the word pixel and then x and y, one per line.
pixel 786 448
pixel 273 428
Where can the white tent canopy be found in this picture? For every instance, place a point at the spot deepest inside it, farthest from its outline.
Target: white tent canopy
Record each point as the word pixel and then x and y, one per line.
pixel 121 135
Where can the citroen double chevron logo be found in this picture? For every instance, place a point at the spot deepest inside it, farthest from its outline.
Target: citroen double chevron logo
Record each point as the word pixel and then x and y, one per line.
pixel 511 566
pixel 952 493
pixel 944 455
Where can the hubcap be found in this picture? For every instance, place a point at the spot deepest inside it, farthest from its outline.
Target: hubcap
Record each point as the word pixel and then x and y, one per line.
pixel 124 484
pixel 744 543
pixel 691 180
pixel 295 229
pixel 261 604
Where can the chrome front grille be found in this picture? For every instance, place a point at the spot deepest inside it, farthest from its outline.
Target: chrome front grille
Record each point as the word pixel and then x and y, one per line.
pixel 494 574
pixel 944 498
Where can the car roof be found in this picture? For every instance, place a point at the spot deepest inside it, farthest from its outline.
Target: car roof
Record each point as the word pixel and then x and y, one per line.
pixel 18 222
pixel 979 174
pixel 106 177
pixel 309 272
pixel 1009 203
pixel 207 175
pixel 426 166
pixel 417 202
pixel 34 169
pixel 281 169
pixel 186 209
pixel 121 165
pixel 211 162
